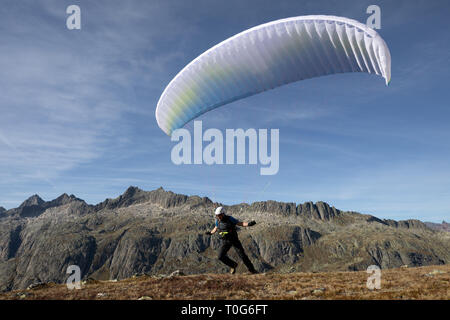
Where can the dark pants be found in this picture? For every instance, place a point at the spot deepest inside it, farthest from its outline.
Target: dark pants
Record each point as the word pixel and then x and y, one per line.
pixel 234 242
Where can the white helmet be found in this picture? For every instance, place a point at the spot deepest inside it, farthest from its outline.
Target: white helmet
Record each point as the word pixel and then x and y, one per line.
pixel 219 210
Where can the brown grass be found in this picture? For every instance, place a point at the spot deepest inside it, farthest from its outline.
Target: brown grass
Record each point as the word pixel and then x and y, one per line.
pixel 402 283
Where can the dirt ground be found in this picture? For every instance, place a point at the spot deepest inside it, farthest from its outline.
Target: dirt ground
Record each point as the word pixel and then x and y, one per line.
pixel 431 282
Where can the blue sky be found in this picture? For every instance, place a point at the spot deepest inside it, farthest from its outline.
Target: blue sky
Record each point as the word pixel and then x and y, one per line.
pixel 77 107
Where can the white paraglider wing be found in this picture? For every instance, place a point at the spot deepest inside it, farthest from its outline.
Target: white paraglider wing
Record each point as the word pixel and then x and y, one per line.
pixel 269 56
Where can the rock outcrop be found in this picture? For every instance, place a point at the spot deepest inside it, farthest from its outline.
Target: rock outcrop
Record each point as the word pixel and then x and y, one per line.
pixel 407 224
pixel 35 206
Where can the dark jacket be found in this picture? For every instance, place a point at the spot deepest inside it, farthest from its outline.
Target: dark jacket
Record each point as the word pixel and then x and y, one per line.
pixel 227 227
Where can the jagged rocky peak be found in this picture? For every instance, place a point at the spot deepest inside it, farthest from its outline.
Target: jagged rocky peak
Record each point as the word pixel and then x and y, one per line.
pixel 320 210
pixel 195 202
pixel 134 195
pixel 325 211
pixel 169 199
pixel 130 192
pixel 31 207
pixel 34 200
pixel 63 199
pixel 125 199
pixel 272 206
pixel 35 206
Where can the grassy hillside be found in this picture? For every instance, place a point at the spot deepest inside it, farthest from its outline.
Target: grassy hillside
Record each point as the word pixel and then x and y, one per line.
pixel 430 282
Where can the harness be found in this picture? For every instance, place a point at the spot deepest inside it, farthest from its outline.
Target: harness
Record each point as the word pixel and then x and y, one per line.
pixel 226 228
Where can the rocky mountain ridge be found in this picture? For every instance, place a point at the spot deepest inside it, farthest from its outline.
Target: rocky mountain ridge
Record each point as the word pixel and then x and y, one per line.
pixel 160 231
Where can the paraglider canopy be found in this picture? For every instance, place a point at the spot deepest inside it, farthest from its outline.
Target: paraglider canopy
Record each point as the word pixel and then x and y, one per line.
pixel 268 56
